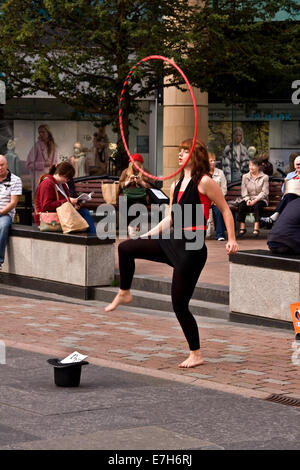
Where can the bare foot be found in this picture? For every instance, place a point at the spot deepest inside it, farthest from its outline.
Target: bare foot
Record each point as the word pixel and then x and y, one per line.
pixel 195 359
pixel 121 298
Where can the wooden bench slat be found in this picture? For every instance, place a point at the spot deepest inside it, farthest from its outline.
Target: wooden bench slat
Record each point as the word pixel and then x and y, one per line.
pixel 92 185
pixel 275 195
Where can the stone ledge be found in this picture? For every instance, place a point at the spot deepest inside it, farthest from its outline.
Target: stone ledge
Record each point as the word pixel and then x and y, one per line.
pixel 41 285
pixel 263 285
pixel 79 238
pixel 79 259
pixel 260 321
pixel 265 259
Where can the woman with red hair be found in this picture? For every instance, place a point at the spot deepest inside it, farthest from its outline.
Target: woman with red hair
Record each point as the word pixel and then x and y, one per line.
pixel 191 198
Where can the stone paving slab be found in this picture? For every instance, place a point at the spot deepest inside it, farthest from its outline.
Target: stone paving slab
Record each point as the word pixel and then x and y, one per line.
pixel 241 358
pixel 119 409
pixel 139 438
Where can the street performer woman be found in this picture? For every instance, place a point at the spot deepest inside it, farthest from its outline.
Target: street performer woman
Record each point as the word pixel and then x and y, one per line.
pixel 192 194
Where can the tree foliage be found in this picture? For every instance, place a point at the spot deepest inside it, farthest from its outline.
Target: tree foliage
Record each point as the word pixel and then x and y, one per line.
pixel 80 51
pixel 244 53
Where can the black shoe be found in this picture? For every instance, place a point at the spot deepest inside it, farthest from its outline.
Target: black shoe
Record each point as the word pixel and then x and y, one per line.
pixel 266 222
pixel 242 232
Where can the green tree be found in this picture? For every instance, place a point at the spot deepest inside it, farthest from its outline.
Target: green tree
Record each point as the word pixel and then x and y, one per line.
pixel 240 52
pixel 80 51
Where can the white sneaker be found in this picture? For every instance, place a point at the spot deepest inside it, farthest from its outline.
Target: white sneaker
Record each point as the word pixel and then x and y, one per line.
pixel 221 239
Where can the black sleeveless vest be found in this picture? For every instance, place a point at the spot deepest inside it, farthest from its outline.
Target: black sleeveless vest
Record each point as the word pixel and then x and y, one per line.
pixel 186 249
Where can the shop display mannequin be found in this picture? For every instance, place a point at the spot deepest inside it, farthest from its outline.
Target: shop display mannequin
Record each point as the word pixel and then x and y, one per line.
pixel 42 155
pixel 101 152
pixel 12 158
pixel 79 161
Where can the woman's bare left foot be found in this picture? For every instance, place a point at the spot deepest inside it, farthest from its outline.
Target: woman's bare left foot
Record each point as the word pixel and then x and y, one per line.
pixel 195 359
pixel 120 299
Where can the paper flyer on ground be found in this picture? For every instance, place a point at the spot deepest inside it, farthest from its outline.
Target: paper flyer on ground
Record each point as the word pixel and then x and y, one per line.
pixel 74 357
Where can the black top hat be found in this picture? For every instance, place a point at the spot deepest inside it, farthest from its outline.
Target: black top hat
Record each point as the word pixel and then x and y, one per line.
pixel 57 363
pixel 66 374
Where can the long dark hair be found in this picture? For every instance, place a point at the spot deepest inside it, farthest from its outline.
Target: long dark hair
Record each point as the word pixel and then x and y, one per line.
pixel 62 169
pixel 199 159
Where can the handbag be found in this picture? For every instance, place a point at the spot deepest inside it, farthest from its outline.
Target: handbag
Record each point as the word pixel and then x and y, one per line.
pixel 110 192
pixel 70 219
pixel 292 186
pixel 49 222
pixel 135 194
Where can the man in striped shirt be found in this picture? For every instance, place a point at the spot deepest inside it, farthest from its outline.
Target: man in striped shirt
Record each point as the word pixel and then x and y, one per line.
pixel 10 190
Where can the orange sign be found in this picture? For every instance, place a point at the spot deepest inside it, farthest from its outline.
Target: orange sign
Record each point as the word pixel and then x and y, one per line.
pixel 295 311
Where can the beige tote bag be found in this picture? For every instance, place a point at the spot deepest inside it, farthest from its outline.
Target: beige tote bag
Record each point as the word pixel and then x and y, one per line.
pixel 110 192
pixel 292 186
pixel 70 219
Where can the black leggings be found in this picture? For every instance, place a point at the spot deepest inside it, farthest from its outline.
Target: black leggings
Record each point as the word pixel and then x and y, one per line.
pixel 257 209
pixel 182 285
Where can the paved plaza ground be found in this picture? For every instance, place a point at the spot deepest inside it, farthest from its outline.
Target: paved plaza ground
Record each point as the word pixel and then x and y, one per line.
pixel 132 394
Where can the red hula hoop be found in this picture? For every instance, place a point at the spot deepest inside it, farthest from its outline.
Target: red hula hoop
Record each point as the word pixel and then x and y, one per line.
pixel 165 59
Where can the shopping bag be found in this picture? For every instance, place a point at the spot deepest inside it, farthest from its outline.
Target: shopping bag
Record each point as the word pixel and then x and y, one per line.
pixel 110 192
pixel 49 222
pixel 70 219
pixel 292 186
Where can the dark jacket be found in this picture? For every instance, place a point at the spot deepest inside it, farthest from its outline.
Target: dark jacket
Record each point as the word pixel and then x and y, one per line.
pixel 286 229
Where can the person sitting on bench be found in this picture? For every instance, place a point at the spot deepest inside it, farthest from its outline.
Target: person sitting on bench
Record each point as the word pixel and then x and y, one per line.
pixel 285 235
pixel 267 222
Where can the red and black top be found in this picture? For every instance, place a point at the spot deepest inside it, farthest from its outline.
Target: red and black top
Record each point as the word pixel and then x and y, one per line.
pixel 190 212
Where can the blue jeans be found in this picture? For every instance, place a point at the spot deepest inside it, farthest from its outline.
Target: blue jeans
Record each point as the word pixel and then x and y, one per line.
pixel 5 224
pixel 219 222
pixel 85 213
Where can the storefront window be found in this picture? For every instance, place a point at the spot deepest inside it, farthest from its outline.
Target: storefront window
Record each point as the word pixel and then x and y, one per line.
pixel 267 128
pixel 35 132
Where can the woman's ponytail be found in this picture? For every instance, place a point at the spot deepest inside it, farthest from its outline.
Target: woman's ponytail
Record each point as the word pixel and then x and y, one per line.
pixel 52 170
pixel 62 169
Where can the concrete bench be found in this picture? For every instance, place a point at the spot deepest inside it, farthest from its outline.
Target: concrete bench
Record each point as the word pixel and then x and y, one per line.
pixel 67 264
pixel 262 287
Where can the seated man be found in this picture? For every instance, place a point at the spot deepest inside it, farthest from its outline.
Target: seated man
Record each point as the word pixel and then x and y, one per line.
pixel 285 235
pixel 10 190
pixel 268 222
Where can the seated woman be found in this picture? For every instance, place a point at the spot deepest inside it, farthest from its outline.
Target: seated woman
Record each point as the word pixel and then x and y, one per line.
pixel 53 191
pixel 133 185
pixel 268 222
pixel 255 193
